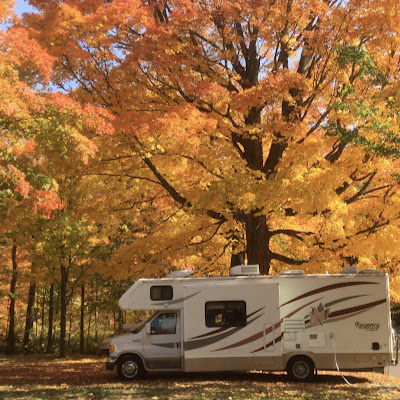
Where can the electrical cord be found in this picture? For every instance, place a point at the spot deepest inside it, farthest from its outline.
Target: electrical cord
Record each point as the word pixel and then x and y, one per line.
pixel 336 363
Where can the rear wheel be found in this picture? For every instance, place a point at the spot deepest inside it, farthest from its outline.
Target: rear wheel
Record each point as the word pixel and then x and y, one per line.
pixel 300 369
pixel 130 367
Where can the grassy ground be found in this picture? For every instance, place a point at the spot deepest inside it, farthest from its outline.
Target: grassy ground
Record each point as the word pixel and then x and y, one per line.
pixel 38 377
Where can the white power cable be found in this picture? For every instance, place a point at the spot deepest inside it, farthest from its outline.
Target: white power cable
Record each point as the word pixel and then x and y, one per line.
pixel 337 365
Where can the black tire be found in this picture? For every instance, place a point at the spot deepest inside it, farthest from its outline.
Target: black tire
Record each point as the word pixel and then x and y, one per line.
pixel 130 367
pixel 300 369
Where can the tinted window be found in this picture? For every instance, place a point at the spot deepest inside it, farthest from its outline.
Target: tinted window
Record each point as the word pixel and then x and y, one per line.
pixel 158 293
pixel 164 324
pixel 225 314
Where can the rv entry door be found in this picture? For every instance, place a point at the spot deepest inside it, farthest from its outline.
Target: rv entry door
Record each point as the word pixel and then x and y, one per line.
pixel 162 342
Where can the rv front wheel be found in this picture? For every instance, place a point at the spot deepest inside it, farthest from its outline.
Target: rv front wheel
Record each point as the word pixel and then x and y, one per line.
pixel 300 369
pixel 130 367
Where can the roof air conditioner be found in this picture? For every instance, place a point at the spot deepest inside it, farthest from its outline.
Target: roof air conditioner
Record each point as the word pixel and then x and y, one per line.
pixel 180 274
pixel 244 270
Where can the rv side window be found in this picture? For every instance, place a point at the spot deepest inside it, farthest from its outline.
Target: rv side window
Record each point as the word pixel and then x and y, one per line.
pixel 225 314
pixel 164 324
pixel 158 293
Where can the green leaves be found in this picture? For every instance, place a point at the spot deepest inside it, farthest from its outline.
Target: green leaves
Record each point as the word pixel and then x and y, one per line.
pixel 347 55
pixel 372 129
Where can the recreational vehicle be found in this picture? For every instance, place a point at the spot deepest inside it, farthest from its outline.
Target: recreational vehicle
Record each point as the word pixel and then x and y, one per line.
pixel 293 321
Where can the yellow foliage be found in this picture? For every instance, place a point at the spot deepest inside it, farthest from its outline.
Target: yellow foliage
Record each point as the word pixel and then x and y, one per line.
pixel 227 127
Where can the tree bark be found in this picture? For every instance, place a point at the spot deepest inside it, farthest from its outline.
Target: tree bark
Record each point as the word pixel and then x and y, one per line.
pixel 96 314
pixel 120 321
pixel 238 258
pixel 82 321
pixel 42 316
pixel 30 316
pixel 63 310
pixel 257 242
pixel 11 339
pixel 50 326
pixel 70 320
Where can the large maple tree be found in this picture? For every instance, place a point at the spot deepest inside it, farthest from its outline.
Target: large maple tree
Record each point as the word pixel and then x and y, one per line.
pixel 268 127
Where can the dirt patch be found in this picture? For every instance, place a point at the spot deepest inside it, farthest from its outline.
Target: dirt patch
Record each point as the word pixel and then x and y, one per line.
pixel 77 371
pixel 39 370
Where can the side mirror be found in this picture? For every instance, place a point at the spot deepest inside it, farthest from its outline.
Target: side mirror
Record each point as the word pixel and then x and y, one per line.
pixel 148 328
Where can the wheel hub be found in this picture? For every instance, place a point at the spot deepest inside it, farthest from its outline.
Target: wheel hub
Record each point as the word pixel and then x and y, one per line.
pixel 130 369
pixel 301 370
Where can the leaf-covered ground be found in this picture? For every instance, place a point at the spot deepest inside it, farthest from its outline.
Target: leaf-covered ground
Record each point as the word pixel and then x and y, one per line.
pixel 38 377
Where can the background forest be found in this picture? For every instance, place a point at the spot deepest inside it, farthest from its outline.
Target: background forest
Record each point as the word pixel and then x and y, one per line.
pixel 140 137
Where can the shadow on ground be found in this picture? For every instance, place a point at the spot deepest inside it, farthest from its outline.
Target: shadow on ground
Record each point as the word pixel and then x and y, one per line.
pixel 78 372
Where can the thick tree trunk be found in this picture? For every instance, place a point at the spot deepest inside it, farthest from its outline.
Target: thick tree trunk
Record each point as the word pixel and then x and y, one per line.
pixel 30 317
pixel 238 259
pixel 11 339
pixel 257 242
pixel 82 322
pixel 50 327
pixel 63 310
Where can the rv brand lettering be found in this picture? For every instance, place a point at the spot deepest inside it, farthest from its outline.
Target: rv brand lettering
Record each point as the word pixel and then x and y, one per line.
pixel 367 326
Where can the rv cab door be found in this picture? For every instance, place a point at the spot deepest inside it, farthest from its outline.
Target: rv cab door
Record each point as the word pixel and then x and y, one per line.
pixel 162 341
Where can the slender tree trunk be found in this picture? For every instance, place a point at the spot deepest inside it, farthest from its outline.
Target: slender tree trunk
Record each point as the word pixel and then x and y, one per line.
pixel 96 313
pixel 11 339
pixel 51 314
pixel 82 322
pixel 63 310
pixel 30 317
pixel 88 329
pixel 120 320
pixel 36 316
pixel 120 312
pixel 42 315
pixel 70 320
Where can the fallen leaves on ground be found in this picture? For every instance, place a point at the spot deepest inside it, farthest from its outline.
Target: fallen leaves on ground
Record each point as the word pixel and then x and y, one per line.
pixel 41 377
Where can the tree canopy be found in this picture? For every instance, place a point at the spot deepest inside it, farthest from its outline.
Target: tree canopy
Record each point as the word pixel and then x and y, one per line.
pixel 265 127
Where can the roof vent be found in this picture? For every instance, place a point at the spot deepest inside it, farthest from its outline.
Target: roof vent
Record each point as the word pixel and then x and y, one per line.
pixel 292 272
pixel 351 270
pixel 244 270
pixel 180 274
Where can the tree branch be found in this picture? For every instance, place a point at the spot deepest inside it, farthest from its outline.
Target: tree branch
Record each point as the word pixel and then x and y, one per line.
pixel 363 189
pixel 286 260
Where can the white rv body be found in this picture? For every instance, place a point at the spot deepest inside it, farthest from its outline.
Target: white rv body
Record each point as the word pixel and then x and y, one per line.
pixel 288 322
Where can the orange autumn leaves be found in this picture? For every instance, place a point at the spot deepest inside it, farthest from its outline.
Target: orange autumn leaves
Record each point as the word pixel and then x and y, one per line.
pixel 268 121
pixel 34 122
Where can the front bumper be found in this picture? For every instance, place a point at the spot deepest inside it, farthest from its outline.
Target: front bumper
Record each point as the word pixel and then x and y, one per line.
pixel 110 363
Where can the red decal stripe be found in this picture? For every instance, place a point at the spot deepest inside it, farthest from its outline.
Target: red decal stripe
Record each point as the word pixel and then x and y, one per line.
pixel 327 288
pixel 355 309
pixel 277 340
